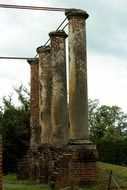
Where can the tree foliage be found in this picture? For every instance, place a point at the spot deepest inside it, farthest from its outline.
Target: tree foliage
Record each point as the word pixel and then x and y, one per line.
pixel 14 126
pixel 108 130
pixel 107 124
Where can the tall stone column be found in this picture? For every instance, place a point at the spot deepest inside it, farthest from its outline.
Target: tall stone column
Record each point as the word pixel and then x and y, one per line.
pixel 45 79
pixel 78 99
pixel 34 104
pixel 59 89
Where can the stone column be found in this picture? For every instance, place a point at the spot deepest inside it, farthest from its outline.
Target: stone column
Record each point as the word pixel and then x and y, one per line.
pixel 34 104
pixel 59 89
pixel 78 99
pixel 45 76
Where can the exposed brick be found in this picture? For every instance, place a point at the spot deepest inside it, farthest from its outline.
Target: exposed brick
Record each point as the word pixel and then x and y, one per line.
pixel 45 92
pixel 34 104
pixel 73 163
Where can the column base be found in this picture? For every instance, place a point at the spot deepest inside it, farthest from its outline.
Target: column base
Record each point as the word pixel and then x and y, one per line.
pixel 72 165
pixel 83 166
pixel 77 165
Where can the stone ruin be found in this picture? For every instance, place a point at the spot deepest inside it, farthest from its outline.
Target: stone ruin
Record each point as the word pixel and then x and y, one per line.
pixel 60 153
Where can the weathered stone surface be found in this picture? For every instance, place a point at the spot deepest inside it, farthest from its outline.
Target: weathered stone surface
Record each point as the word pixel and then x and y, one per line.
pixel 59 89
pixel 76 12
pixel 78 99
pixel 55 161
pixel 34 104
pixel 45 92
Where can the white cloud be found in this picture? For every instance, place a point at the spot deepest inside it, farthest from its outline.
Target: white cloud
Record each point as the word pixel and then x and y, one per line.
pixel 107 79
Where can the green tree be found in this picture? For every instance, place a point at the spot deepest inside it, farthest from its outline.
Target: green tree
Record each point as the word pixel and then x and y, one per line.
pixel 14 126
pixel 106 122
pixel 108 130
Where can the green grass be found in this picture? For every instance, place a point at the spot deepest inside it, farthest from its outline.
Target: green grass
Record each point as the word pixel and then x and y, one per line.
pixel 103 170
pixel 12 183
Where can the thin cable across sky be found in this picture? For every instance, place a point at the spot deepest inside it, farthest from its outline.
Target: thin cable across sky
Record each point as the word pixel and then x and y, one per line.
pixel 37 8
pixel 32 8
pixel 8 57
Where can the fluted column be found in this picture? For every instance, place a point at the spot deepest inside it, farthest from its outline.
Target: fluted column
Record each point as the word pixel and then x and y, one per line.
pixel 59 89
pixel 45 79
pixel 78 99
pixel 34 104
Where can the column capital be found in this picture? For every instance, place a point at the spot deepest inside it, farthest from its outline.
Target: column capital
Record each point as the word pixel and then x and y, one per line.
pixel 43 49
pixel 76 12
pixel 59 33
pixel 32 61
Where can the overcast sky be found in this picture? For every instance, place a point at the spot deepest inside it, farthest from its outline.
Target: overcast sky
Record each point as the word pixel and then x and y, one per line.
pixel 22 31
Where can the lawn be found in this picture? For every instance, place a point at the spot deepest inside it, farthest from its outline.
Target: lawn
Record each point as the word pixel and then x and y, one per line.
pixel 119 174
pixel 12 183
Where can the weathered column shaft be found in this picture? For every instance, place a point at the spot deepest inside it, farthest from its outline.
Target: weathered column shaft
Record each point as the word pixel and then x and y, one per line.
pixel 34 104
pixel 59 88
pixel 78 99
pixel 45 79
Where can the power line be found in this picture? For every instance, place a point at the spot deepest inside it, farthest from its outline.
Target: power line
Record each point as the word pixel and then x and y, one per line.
pixel 8 6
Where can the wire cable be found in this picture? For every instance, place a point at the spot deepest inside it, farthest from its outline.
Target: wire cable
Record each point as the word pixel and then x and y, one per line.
pixel 33 8
pixel 8 6
pixel 56 30
pixel 61 24
pixel 21 58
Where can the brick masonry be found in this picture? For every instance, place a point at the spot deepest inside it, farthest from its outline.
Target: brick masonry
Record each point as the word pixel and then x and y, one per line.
pixel 67 166
pixel 45 92
pixel 34 104
pixel 75 167
pixel 65 162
